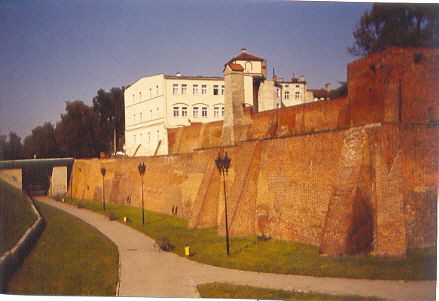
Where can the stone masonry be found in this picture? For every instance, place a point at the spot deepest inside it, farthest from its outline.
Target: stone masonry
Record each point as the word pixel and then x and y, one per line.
pixel 352 175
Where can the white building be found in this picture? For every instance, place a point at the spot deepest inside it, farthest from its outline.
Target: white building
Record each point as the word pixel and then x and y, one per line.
pixel 158 102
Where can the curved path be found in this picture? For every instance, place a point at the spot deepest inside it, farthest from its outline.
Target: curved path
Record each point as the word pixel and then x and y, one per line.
pixel 147 272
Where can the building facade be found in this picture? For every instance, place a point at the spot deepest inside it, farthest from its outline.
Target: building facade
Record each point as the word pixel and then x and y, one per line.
pixel 158 102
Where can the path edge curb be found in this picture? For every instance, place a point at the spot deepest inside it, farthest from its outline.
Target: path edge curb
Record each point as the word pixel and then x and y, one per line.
pixel 13 258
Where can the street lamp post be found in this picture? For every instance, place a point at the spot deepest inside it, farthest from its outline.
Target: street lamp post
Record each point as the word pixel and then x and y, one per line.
pixel 223 165
pixel 142 168
pixel 103 172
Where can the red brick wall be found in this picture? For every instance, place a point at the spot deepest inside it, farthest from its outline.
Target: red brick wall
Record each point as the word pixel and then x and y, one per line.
pixel 304 175
pixel 398 83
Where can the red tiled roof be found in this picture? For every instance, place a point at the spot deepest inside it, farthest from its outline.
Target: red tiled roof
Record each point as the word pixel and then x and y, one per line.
pixel 235 67
pixel 245 56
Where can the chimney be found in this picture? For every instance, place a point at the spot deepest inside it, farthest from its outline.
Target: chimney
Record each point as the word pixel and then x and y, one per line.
pixel 302 78
pixel 243 49
pixel 233 101
pixel 178 74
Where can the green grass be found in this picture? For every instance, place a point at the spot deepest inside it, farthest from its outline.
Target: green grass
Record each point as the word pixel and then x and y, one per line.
pixel 16 215
pixel 225 290
pixel 273 256
pixel 70 258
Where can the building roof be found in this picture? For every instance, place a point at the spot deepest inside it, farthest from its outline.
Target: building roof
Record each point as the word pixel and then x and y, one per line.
pixel 243 55
pixel 235 67
pixel 198 77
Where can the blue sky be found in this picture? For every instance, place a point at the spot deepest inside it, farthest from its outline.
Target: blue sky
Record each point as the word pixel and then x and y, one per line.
pixel 57 51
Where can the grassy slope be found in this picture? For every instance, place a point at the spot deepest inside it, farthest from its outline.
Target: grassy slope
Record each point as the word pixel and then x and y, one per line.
pixel 70 258
pixel 273 256
pixel 224 290
pixel 16 215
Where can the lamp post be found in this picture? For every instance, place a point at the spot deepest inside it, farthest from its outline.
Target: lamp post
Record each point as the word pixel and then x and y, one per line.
pixel 142 168
pixel 223 165
pixel 103 172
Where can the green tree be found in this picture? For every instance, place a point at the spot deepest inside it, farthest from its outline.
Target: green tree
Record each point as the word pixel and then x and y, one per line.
pixel 11 149
pixel 77 132
pixel 392 24
pixel 41 143
pixel 109 108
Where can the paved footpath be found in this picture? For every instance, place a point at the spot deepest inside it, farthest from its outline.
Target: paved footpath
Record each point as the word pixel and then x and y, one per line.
pixel 147 272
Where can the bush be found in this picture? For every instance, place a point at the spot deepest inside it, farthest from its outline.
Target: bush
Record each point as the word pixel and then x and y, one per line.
pixel 80 205
pixel 112 217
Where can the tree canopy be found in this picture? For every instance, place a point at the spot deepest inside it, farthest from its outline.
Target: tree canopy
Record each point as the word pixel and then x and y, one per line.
pixel 42 142
pixel 392 24
pixel 82 132
pixel 109 107
pixel 76 133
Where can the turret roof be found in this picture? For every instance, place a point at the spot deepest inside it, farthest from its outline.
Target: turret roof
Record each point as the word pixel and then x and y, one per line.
pixel 243 55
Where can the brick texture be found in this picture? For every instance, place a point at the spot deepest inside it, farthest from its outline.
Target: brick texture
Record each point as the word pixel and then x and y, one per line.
pixel 352 175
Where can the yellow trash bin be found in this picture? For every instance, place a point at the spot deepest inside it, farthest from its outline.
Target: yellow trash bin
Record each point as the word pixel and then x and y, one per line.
pixel 187 251
pixel 125 219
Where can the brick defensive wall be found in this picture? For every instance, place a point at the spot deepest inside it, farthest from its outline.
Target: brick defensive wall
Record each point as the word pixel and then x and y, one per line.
pixel 352 175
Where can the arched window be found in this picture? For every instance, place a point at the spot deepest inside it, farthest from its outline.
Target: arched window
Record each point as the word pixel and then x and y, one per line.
pixel 248 66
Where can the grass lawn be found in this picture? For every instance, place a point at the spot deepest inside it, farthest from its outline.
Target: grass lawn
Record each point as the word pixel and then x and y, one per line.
pixel 70 258
pixel 273 256
pixel 16 215
pixel 225 290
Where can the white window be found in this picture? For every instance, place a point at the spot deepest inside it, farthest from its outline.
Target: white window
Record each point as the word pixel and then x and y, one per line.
pixel 204 112
pixel 297 95
pixel 222 90
pixel 140 138
pixel 195 89
pixel 140 96
pixel 176 111
pixel 150 92
pixel 175 89
pixel 141 119
pixel 195 112
pixel 184 111
pixel 149 137
pixel 134 98
pixel 134 118
pixel 222 111
pixel 215 112
pixel 287 94
pixel 150 114
pixel 183 89
pixel 158 112
pixel 215 89
pixel 204 89
pixel 157 90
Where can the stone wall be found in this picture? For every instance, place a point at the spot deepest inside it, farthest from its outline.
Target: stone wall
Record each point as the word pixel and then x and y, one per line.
pixel 352 175
pixel 12 177
pixel 370 188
